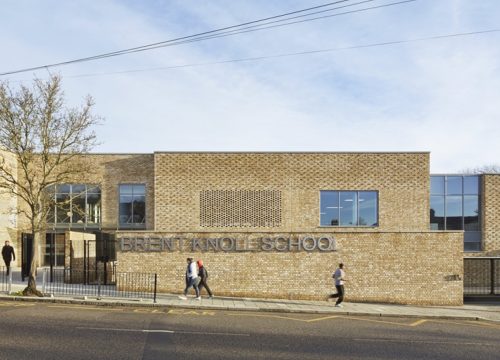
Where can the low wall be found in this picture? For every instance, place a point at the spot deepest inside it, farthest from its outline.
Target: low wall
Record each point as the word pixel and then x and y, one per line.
pixel 403 268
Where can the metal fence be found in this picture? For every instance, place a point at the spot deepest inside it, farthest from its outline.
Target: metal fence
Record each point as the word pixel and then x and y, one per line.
pixel 5 280
pixel 99 284
pixel 481 276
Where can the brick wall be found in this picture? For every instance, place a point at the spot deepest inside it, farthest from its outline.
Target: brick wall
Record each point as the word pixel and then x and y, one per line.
pixel 111 171
pixel 491 215
pixel 403 267
pixel 402 180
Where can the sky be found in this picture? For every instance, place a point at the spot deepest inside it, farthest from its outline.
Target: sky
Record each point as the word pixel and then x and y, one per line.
pixel 439 95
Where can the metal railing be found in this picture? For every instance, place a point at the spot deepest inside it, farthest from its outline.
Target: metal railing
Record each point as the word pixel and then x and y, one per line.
pixel 5 280
pixel 481 276
pixel 93 283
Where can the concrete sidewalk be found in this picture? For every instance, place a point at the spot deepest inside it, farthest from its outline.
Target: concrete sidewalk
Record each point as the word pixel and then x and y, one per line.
pixel 488 312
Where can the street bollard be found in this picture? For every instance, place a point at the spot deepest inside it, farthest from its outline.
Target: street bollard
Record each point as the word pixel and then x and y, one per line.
pixel 99 286
pixel 44 278
pixel 9 287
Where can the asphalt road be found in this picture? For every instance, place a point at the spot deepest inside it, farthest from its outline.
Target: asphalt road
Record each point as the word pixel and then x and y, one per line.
pixel 58 331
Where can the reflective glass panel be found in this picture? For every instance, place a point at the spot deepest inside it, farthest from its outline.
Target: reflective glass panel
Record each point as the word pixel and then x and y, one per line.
pixel 348 208
pixel 139 210
pixel 454 213
pixel 63 188
pixel 63 208
pixel 132 204
pixel 126 189
pixel 367 201
pixel 471 185
pixel 93 208
pixel 437 185
pixel 329 208
pixel 93 190
pixel 139 189
pixel 437 213
pixel 78 208
pixel 77 189
pixel 471 213
pixel 126 209
pixel 454 185
pixel 71 204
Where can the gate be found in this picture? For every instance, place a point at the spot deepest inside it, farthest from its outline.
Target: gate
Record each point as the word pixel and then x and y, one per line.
pixel 481 276
pixel 26 254
pixel 92 261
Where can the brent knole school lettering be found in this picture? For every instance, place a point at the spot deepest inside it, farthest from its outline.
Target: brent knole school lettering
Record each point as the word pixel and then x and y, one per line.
pixel 228 244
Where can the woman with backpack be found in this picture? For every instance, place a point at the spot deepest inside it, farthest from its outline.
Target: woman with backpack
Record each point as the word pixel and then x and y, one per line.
pixel 203 274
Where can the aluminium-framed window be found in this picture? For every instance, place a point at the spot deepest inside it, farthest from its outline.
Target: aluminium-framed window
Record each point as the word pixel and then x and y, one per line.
pixel 74 206
pixel 132 206
pixel 342 208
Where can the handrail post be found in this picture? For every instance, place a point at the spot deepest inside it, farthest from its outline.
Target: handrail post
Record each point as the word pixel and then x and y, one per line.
pixel 9 287
pixel 156 284
pixel 98 286
pixel 44 275
pixel 492 276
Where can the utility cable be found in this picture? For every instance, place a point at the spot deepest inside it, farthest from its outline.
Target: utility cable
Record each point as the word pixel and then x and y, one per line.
pixel 213 33
pixel 263 27
pixel 258 58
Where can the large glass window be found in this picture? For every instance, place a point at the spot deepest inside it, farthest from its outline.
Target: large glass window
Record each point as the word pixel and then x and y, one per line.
pixel 455 206
pixel 348 208
pixel 93 205
pixel 74 204
pixel 132 205
pixel 437 212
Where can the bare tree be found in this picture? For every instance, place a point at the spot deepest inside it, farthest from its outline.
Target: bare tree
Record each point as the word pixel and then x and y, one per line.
pixel 485 169
pixel 47 140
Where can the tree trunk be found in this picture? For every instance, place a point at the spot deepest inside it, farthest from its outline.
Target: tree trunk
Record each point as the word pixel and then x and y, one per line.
pixel 31 290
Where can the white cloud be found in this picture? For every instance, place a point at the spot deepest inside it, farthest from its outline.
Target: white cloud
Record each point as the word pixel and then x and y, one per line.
pixel 437 96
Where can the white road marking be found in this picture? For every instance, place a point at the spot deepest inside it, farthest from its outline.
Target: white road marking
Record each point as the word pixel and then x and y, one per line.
pixel 427 342
pixel 162 331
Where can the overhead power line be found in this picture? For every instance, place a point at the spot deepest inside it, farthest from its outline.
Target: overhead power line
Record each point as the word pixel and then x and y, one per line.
pixel 310 52
pixel 226 31
pixel 264 27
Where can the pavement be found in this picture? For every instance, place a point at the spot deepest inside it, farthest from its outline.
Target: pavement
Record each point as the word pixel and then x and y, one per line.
pixel 480 311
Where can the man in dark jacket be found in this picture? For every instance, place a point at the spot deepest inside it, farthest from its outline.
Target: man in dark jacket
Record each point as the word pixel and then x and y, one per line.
pixel 8 255
pixel 203 274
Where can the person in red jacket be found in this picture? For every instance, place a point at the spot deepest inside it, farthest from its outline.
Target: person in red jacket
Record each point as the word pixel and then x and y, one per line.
pixel 203 274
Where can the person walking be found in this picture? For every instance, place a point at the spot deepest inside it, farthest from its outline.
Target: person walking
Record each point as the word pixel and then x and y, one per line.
pixel 192 279
pixel 339 276
pixel 8 255
pixel 203 274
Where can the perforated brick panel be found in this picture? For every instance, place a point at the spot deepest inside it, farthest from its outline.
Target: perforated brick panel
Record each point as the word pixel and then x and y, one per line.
pixel 240 208
pixel 491 215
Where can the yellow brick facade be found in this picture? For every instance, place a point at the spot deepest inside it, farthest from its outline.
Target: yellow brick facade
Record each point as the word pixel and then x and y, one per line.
pixel 398 261
pixel 401 179
pixel 390 262
pixel 398 267
pixel 491 215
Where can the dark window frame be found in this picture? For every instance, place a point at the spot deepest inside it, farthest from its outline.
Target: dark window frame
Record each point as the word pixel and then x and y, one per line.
pixel 132 225
pixel 375 225
pixel 468 245
pixel 55 207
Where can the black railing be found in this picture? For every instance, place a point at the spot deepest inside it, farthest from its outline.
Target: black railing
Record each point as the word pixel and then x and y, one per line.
pixel 5 280
pixel 481 276
pixel 100 284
